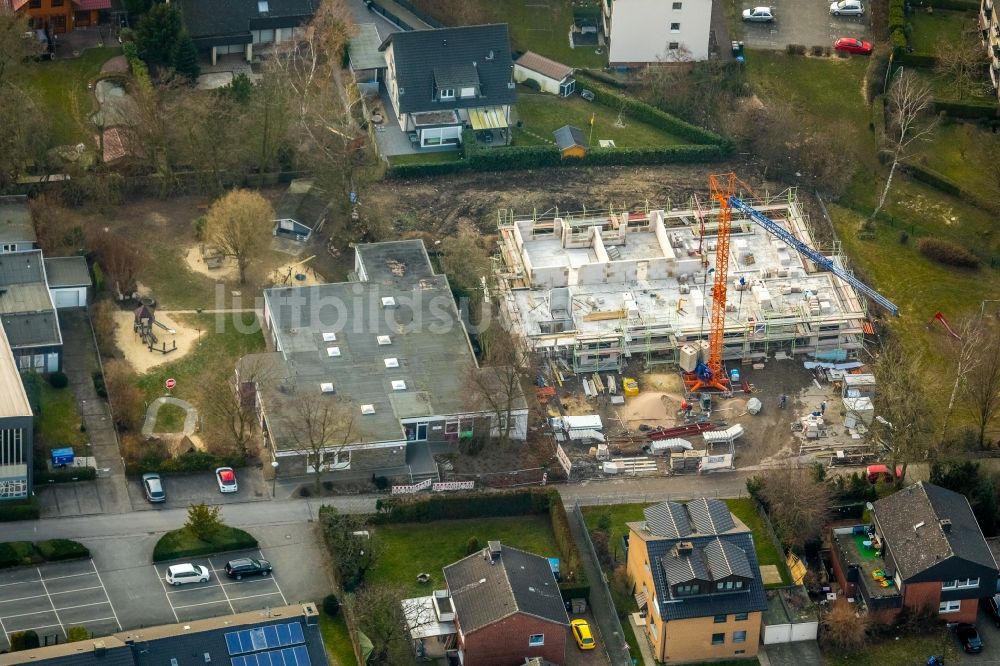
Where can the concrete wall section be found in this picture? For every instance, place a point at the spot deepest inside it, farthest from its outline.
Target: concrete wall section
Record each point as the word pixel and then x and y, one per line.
pixel 661 235
pixel 599 250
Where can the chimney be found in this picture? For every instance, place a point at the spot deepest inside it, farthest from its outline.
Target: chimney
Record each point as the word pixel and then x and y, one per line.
pixel 946 525
pixel 685 548
pixel 99 649
pixel 494 548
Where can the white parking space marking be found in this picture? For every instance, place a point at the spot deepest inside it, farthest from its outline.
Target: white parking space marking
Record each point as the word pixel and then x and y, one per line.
pixel 76 575
pixel 206 603
pixel 222 587
pixel 51 603
pixel 283 600
pixel 166 594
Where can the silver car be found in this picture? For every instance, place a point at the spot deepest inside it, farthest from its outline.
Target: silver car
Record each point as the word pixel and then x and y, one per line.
pixel 847 8
pixel 758 15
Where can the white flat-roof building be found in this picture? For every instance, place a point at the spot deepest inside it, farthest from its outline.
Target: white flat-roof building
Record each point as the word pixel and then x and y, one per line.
pixel 598 288
pixel 651 31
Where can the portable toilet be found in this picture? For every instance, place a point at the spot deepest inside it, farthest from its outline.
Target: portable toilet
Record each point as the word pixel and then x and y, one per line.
pixel 62 457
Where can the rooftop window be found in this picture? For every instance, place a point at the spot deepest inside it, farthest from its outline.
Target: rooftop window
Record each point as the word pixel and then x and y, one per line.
pixel 398 385
pixel 384 340
pixel 333 351
pixel 326 387
pixel 392 362
pixel 329 336
pixel 367 409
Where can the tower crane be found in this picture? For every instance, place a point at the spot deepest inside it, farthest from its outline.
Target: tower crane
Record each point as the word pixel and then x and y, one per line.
pixel 710 375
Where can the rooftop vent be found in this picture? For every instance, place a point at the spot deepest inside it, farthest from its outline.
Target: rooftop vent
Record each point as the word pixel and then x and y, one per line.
pixel 392 362
pixel 329 336
pixel 262 7
pixel 946 525
pixel 173 661
pixel 384 340
pixel 398 385
pixel 388 302
pixel 490 56
pixel 918 526
pixel 208 658
pixel 333 351
pixel 367 409
pixel 326 387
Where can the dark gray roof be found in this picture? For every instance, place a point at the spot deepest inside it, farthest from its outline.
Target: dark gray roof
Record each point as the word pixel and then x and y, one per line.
pixel 26 308
pixel 680 568
pixel 519 582
pixel 32 330
pixel 230 21
pixel 909 521
pixel 568 136
pixel 303 202
pixel 458 75
pixel 725 559
pixel 709 561
pixel 750 599
pixel 21 268
pixel 401 264
pixel 67 272
pixel 667 519
pixel 189 648
pixel 710 516
pixel 115 653
pixel 419 54
pixel 15 220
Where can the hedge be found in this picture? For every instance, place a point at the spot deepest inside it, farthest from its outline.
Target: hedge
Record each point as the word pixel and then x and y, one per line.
pixel 574 583
pixel 190 461
pixel 19 553
pixel 946 252
pixel 947 185
pixel 181 543
pixel 957 5
pixel 422 509
pixel 66 475
pixel 598 75
pixel 16 553
pixel 23 510
pixel 914 60
pixel 54 550
pixel 966 110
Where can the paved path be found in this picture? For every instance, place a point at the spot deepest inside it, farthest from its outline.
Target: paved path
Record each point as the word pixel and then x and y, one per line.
pixel 190 419
pixel 108 494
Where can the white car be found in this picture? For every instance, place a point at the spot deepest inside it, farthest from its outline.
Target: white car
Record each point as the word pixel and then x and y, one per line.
pixel 179 574
pixel 847 8
pixel 226 478
pixel 759 14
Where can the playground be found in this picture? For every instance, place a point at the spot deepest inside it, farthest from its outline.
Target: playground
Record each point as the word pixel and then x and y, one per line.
pixel 173 340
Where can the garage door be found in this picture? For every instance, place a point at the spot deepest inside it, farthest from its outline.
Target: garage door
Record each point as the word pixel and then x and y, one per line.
pixel 67 298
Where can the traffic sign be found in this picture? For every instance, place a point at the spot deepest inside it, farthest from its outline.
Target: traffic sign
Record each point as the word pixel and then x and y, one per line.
pixel 170 383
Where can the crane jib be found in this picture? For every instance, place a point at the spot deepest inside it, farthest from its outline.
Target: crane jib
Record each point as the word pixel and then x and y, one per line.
pixel 814 256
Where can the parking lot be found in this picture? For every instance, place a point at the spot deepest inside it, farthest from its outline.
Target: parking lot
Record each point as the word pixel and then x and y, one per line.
pixel 119 589
pixel 183 490
pixel 807 23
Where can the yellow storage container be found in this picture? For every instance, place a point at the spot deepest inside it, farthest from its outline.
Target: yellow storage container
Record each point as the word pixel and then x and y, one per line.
pixel 630 386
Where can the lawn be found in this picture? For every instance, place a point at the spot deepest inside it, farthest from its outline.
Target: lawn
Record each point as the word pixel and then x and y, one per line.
pixel 411 549
pixel 542 114
pixel 931 29
pixel 620 514
pixel 62 86
pixel 541 26
pixel 902 650
pixel 942 88
pixel 170 418
pixel 439 157
pixel 955 152
pixel 209 364
pixel 58 424
pixel 337 641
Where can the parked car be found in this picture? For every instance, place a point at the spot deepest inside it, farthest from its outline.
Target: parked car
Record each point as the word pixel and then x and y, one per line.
pixel 848 8
pixel 758 15
pixel 851 45
pixel 226 478
pixel 178 574
pixel 880 472
pixel 993 608
pixel 152 485
pixel 581 632
pixel 969 638
pixel 247 566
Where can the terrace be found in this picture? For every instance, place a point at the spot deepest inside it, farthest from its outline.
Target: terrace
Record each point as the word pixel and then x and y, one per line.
pixel 864 569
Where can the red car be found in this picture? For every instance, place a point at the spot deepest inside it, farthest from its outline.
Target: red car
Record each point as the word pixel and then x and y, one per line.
pixel 851 45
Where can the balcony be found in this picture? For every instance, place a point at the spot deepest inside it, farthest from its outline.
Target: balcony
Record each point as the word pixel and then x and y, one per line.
pixel 862 566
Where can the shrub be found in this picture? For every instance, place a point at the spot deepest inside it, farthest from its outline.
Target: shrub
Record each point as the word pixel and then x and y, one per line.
pixel 472 546
pixel 24 640
pixel 76 634
pixel 189 461
pixel 199 228
pixel 533 84
pixel 946 252
pixel 65 475
pixel 816 51
pixel 16 553
pixel 32 382
pixel 795 49
pixel 331 605
pixel 54 550
pixel 966 110
pixel 904 238
pixel 99 385
pixel 381 483
pixel 182 543
pixel 23 510
pixel 58 380
pixel 571 567
pixel 600 540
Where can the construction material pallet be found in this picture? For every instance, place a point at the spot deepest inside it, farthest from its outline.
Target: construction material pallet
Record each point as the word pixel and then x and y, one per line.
pixel 680 431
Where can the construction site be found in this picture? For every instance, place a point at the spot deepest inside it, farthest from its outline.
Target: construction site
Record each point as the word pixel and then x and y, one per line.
pixel 656 331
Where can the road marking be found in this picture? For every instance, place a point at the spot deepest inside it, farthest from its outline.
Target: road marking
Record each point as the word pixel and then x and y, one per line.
pixel 4 630
pixel 223 589
pixel 54 611
pixel 206 603
pixel 254 596
pixel 82 589
pixel 190 588
pixel 106 595
pixel 44 626
pixel 251 581
pixel 166 594
pixel 10 601
pixel 275 581
pixel 20 582
pixel 76 575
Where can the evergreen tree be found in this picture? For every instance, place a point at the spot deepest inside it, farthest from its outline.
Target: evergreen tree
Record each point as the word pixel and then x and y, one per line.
pixel 185 57
pixel 158 33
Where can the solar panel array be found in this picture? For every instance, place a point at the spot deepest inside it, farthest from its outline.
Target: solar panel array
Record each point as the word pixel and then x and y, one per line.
pixel 292 656
pixel 264 638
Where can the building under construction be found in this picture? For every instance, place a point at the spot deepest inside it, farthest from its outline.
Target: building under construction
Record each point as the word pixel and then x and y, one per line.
pixel 599 288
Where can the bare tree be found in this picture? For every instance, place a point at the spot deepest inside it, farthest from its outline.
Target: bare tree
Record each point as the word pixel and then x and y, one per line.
pixel 152 132
pixel 121 260
pixel 845 627
pixel 320 426
pixel 798 504
pixel 465 258
pixel 380 614
pixel 238 225
pixel 233 404
pixel 962 63
pixel 965 356
pixel 903 425
pixel 496 387
pixel 982 383
pixel 907 107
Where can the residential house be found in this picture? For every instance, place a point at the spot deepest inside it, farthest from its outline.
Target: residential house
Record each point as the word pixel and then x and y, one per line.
pixel 441 81
pixel 16 428
pixel 60 16
pixel 641 32
pixel 17 231
pixel 287 635
pixel 393 344
pixel 697 581
pixel 989 27
pixel 69 282
pixel 28 313
pixel 550 76
pixel 502 608
pixel 923 551
pixel 244 27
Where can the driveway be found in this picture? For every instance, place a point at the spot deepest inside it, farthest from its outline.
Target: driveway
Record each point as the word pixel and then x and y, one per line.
pixel 183 490
pixel 119 589
pixel 807 23
pixel 801 653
